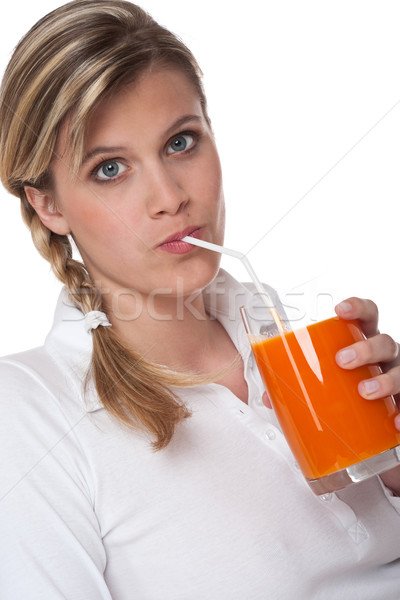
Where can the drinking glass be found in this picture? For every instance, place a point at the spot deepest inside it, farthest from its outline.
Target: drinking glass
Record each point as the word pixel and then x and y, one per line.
pixel 337 436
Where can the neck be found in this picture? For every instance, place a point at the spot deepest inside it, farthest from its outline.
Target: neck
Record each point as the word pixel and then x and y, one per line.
pixel 179 334
pixel 175 332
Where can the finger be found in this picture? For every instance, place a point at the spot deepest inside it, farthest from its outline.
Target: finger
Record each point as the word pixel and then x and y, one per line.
pixel 378 349
pixel 397 422
pixel 365 311
pixel 387 384
pixel 266 400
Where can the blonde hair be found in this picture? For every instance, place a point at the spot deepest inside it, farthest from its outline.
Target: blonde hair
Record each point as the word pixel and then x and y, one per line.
pixel 63 67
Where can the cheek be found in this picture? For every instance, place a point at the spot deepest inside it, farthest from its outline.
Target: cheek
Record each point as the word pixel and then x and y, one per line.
pixel 210 179
pixel 93 229
pixel 92 216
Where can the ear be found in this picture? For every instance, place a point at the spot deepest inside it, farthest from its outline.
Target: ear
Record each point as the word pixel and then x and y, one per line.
pixel 45 207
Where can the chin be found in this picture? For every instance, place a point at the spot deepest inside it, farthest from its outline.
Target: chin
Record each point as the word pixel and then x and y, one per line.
pixel 196 277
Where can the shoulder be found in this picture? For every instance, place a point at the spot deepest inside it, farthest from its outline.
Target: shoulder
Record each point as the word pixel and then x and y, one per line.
pixel 33 391
pixel 18 369
pixel 26 370
pixel 38 414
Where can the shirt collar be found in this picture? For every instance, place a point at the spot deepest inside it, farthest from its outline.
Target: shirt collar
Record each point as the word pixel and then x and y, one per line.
pixel 223 299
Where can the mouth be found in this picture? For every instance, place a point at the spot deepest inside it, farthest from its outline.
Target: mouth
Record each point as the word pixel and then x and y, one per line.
pixel 174 243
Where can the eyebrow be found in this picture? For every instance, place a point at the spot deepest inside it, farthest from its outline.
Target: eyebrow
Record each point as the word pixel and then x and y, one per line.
pixel 114 149
pixel 102 150
pixel 182 121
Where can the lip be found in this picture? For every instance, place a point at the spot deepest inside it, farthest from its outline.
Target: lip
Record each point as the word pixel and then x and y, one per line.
pixel 174 243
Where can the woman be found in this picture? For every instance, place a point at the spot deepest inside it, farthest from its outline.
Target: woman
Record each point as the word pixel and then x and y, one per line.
pixel 106 139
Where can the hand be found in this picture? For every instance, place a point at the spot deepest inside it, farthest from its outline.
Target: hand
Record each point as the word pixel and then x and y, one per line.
pixel 377 348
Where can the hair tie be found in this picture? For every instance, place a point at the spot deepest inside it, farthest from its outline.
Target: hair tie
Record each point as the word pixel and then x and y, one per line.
pixel 94 318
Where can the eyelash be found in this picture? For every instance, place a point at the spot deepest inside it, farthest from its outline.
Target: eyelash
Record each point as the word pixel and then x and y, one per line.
pixel 93 173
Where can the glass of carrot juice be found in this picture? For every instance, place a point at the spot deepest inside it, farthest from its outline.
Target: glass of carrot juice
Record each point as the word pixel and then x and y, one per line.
pixel 337 437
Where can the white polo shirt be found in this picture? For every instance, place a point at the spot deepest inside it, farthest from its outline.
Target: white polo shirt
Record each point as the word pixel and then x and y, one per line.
pixel 88 511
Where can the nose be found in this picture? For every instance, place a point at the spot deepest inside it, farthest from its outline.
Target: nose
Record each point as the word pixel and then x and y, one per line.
pixel 165 192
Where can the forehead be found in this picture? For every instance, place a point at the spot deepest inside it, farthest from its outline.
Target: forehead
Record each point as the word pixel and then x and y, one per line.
pixel 144 108
pixel 155 100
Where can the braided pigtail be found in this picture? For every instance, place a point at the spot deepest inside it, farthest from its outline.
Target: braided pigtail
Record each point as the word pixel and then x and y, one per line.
pixel 132 389
pixel 74 57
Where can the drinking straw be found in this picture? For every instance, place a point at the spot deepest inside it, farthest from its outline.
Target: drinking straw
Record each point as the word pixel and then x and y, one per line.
pixel 266 298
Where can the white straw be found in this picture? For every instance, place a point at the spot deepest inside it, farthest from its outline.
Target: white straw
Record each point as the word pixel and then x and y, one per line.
pixel 259 287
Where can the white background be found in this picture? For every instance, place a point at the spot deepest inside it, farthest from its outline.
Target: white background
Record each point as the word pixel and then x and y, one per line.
pixel 304 96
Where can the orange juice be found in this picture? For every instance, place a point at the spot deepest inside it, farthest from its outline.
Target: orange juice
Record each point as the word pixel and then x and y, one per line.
pixel 326 422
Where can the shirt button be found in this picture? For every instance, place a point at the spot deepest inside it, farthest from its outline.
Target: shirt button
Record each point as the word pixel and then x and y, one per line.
pixel 326 497
pixel 270 434
pixel 258 400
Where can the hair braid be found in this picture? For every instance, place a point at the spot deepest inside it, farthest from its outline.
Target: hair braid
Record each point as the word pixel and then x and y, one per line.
pixel 131 388
pixel 124 381
pixel 65 65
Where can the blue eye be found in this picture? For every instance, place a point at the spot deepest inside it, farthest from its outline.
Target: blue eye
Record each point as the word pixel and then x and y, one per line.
pixel 180 143
pixel 110 170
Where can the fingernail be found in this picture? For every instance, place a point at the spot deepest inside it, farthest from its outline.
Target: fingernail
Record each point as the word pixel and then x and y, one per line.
pixel 344 307
pixel 347 355
pixel 370 387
